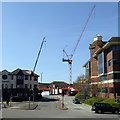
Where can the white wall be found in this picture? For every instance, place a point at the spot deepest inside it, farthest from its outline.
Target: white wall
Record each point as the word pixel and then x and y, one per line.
pixel 9 81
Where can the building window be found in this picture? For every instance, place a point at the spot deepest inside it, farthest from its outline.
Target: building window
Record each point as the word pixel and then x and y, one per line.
pixel 100 63
pixel 104 77
pixel 26 77
pixel 11 77
pixel 87 70
pixel 111 90
pixel 6 86
pixel 110 62
pixel 111 76
pixel 20 77
pixel 35 78
pixel 116 48
pixel 26 85
pixel 116 61
pixel 116 75
pixel 99 90
pixel 4 77
pixel 11 85
pixel 104 90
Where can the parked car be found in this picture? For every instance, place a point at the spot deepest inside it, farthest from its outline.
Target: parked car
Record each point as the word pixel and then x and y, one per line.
pixel 104 107
pixel 76 101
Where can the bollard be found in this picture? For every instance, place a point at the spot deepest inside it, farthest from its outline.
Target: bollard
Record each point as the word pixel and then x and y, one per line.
pixel 62 105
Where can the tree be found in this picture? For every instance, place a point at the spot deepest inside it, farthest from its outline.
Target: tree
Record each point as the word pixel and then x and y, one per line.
pixel 82 84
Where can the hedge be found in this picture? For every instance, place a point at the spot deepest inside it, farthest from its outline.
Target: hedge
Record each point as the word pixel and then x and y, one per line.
pixel 94 99
pixel 102 100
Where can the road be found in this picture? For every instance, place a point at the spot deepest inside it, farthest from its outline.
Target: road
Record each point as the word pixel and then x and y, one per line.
pixel 49 109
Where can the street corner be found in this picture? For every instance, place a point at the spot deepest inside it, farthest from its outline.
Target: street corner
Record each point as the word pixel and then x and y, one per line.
pixel 32 107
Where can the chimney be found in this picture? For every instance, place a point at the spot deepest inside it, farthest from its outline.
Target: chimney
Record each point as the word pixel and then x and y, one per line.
pixel 97 37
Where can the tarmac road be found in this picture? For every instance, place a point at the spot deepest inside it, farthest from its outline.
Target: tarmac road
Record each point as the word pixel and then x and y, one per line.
pixel 49 109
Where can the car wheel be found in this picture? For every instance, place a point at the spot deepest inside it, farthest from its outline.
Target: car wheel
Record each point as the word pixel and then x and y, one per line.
pixel 99 111
pixel 116 111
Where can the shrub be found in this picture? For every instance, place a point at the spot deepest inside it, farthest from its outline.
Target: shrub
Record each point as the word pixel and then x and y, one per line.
pixel 79 96
pixel 111 102
pixel 94 99
pixel 102 100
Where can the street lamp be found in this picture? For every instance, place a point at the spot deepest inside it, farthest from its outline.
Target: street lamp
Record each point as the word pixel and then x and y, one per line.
pixel 41 80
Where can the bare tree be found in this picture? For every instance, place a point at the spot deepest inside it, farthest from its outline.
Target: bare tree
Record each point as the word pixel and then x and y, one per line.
pixel 82 84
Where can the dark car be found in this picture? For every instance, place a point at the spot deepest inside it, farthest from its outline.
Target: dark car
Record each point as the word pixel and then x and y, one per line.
pixel 76 101
pixel 104 107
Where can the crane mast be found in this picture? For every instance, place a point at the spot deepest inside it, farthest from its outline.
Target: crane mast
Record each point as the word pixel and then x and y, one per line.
pixel 69 59
pixel 39 54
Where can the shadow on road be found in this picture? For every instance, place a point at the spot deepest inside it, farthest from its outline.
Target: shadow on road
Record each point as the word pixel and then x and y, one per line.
pixel 45 99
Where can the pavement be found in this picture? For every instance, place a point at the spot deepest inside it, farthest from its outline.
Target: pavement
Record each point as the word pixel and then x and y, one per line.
pixel 20 105
pixel 24 105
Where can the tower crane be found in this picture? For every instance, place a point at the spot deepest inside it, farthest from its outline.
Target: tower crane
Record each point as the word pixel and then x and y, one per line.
pixel 69 58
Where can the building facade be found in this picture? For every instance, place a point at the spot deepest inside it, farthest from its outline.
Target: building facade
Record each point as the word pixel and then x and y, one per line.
pixel 103 68
pixel 18 83
pixel 54 88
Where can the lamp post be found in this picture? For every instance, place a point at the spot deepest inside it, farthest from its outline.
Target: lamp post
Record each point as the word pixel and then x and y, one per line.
pixel 41 80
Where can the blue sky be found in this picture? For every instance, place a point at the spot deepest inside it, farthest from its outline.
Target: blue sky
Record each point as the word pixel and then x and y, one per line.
pixel 25 24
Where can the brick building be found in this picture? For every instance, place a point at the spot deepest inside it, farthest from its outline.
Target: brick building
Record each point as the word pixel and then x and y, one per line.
pixel 54 87
pixel 103 68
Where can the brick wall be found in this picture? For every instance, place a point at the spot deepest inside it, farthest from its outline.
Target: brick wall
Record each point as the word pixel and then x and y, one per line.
pixel 94 64
pixel 109 57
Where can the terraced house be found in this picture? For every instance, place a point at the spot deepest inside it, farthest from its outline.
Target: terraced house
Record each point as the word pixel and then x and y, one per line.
pixel 103 68
pixel 18 83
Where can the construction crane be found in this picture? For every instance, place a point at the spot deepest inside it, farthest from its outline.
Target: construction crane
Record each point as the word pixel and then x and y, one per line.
pixel 38 54
pixel 31 91
pixel 69 57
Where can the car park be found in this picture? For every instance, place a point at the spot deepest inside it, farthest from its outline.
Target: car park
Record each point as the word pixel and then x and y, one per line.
pixel 104 107
pixel 76 101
